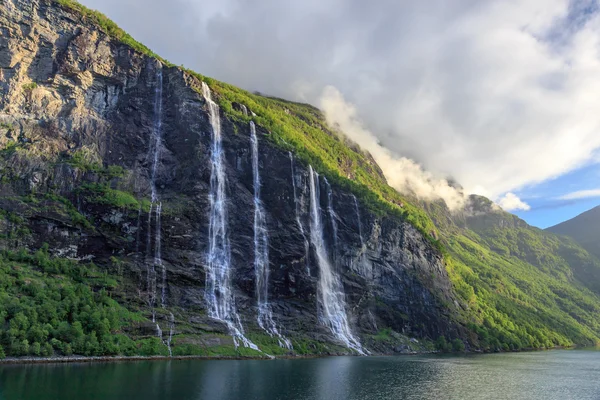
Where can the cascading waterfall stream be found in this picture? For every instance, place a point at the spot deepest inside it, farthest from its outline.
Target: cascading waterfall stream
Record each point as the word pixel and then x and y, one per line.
pixel 261 253
pixel 297 209
pixel 363 245
pixel 157 262
pixel 332 217
pixel 150 270
pixel 218 292
pixel 360 233
pixel 332 305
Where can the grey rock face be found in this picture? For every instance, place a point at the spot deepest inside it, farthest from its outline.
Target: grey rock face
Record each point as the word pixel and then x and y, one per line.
pixel 94 96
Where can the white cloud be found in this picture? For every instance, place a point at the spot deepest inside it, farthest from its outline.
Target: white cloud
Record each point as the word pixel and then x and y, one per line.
pixel 497 94
pixel 511 202
pixel 581 194
pixel 403 174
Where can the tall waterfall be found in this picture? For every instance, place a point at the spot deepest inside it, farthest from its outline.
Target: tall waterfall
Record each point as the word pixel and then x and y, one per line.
pixel 261 253
pixel 330 290
pixel 218 292
pixel 332 217
pixel 156 205
pixel 297 209
pixel 360 232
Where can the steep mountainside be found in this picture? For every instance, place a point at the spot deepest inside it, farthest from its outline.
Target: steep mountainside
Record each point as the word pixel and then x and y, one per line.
pixel 527 287
pixel 584 229
pixel 147 209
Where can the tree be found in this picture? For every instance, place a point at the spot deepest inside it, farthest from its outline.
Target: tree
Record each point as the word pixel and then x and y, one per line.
pixel 35 349
pixel 442 345
pixel 458 345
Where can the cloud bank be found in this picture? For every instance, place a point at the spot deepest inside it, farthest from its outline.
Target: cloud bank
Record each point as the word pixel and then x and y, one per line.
pixel 499 95
pixel 404 174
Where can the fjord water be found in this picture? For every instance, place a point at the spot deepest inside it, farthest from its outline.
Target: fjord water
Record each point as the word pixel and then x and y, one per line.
pixel 550 375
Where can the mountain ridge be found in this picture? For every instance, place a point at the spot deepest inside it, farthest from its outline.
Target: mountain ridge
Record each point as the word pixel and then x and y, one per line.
pixel 584 229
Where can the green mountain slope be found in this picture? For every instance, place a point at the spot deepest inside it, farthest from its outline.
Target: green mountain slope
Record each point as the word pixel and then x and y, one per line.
pixel 584 229
pixel 525 287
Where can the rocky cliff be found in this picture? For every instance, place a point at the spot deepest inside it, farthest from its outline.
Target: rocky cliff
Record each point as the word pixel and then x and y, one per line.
pixel 107 155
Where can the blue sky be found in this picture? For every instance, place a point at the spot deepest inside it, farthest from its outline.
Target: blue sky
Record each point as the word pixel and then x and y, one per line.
pixel 547 206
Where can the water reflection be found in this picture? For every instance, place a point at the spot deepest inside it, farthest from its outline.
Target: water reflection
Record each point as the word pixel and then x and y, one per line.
pixel 555 375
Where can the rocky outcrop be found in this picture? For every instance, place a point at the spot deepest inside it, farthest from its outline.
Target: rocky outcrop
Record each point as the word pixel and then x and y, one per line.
pixel 77 114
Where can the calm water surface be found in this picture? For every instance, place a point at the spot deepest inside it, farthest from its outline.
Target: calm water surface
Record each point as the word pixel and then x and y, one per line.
pixel 548 375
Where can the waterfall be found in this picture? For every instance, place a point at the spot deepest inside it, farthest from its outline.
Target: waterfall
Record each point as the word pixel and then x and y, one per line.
pixel 218 291
pixel 332 217
pixel 158 255
pixel 261 253
pixel 330 290
pixel 156 133
pixel 150 270
pixel 154 154
pixel 298 221
pixel 360 233
pixel 137 233
pixel 171 328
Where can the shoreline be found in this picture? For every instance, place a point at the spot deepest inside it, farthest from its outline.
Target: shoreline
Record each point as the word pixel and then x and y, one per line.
pixel 95 359
pixel 124 359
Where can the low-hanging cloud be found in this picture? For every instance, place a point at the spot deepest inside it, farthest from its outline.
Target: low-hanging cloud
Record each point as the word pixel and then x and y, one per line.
pixel 497 94
pixel 511 202
pixel 402 173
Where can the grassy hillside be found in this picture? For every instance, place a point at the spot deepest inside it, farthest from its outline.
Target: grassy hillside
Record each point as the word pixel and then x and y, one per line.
pixel 520 283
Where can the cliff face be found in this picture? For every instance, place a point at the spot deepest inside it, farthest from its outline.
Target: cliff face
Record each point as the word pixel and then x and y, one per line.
pixel 80 114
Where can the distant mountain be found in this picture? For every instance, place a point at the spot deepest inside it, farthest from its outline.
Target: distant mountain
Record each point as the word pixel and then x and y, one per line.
pixel 584 229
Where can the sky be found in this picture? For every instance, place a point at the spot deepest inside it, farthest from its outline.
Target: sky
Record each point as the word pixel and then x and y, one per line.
pixel 501 96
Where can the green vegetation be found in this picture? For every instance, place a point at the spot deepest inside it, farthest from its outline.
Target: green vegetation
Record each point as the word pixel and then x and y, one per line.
pixel 16 225
pixel 515 305
pixel 28 87
pixel 9 149
pixel 103 194
pixel 88 161
pixel 56 306
pixel 76 217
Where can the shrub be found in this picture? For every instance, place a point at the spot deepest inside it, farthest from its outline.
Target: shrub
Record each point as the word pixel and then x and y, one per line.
pixel 28 87
pixel 458 345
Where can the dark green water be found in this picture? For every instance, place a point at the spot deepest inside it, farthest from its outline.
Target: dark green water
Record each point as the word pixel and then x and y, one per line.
pixel 548 375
